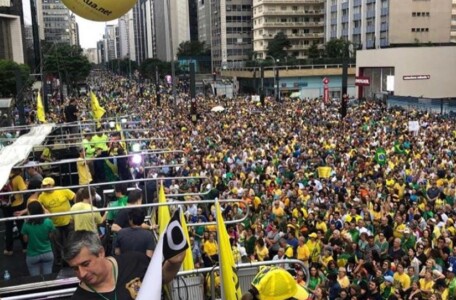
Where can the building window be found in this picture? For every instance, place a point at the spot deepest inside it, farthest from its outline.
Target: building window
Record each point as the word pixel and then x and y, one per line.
pixel 283 8
pixel 294 8
pixel 413 29
pixel 427 14
pixel 413 14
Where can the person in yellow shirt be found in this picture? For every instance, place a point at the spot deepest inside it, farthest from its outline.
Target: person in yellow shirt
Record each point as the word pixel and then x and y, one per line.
pixel 261 251
pixel 302 252
pixel 17 205
pixel 278 210
pixel 427 284
pixel 399 227
pixel 85 177
pixel 314 246
pixel 56 201
pixel 88 221
pixel 401 280
pixel 342 278
pixel 210 251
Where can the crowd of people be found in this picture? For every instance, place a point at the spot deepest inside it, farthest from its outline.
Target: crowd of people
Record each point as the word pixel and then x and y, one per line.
pixel 364 203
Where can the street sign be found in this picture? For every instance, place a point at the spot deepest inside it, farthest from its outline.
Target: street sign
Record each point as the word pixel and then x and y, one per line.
pixel 325 80
pixel 362 81
pixel 416 77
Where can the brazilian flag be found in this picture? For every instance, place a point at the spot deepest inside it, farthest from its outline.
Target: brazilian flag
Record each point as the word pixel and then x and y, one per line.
pixel 398 148
pixel 380 156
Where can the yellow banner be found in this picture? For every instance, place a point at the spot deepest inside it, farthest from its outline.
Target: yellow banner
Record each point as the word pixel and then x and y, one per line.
pixel 40 109
pixel 188 263
pixel 163 211
pixel 230 282
pixel 97 110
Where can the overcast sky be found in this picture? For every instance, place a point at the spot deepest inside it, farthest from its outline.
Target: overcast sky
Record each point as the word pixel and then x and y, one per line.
pixel 89 31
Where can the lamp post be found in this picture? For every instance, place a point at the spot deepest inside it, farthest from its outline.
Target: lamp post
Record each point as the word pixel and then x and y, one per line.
pixel 276 77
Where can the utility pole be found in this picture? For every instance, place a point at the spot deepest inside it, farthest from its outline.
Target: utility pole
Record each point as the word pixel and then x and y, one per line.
pixel 20 96
pixel 173 68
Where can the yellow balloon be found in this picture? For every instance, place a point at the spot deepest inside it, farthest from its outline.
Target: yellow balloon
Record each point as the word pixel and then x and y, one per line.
pixel 100 10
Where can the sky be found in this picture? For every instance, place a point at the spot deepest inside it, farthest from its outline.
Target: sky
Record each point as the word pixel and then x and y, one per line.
pixel 90 32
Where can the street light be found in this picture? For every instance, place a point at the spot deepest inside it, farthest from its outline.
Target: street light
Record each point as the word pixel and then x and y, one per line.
pixel 276 78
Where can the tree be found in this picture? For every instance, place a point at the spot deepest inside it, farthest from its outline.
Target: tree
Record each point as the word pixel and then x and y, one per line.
pixel 8 77
pixel 314 52
pixel 192 48
pixel 150 66
pixel 336 48
pixel 278 45
pixel 66 62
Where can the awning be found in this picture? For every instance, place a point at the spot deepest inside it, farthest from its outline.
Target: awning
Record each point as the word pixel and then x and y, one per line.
pixel 295 95
pixel 20 149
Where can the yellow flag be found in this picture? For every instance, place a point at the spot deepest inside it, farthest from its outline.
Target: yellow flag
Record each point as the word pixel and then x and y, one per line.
pixel 40 109
pixel 230 282
pixel 97 110
pixel 163 211
pixel 188 263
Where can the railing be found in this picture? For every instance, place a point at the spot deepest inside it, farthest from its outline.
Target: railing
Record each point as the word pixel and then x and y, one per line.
pixel 295 67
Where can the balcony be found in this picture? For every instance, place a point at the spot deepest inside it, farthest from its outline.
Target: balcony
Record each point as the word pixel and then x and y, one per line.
pixel 311 35
pixel 357 3
pixel 314 12
pixel 357 30
pixel 370 29
pixel 345 19
pixel 370 1
pixel 334 8
pixel 384 11
pixel 370 13
pixel 333 33
pixel 384 27
pixel 291 24
pixel 356 17
pixel 334 21
pixel 345 32
pixel 284 13
pixel 345 5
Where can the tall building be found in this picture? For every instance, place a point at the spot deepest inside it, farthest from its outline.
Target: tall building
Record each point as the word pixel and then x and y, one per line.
pixel 74 31
pixel 126 36
pixel 204 21
pixel 231 32
pixel 57 22
pixel 453 23
pixel 178 13
pixel 142 33
pixel 193 19
pixel 101 55
pixel 110 42
pixel 302 22
pixel 382 23
pixel 11 31
pixel 92 55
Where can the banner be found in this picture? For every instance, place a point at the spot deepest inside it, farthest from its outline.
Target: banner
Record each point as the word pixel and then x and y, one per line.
pixel 97 110
pixel 172 242
pixel 163 211
pixel 40 109
pixel 230 281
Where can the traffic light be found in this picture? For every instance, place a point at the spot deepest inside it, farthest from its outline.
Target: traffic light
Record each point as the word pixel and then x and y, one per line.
pixel 193 111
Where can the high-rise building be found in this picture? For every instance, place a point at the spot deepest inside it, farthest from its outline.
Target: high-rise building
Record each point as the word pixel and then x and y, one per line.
pixel 126 36
pixel 74 31
pixel 178 13
pixel 204 21
pixel 110 42
pixel 382 23
pixel 101 52
pixel 92 55
pixel 11 31
pixel 231 32
pixel 453 23
pixel 142 32
pixel 193 19
pixel 57 22
pixel 301 21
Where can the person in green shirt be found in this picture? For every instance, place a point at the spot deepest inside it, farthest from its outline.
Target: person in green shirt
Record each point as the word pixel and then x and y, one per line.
pixel 408 240
pixel 120 191
pixel 100 140
pixel 37 233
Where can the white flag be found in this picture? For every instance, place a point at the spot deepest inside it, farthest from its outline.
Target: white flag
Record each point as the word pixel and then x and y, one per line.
pixel 172 242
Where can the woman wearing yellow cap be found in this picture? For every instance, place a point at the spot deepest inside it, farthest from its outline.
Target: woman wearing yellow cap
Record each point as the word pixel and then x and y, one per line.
pixel 274 283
